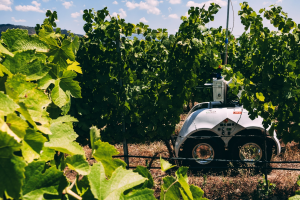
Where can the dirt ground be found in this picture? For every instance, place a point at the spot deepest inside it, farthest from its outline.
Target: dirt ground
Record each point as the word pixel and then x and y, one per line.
pixel 227 184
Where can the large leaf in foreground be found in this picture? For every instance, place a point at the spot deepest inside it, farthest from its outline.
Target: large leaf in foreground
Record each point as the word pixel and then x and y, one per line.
pixel 40 181
pixel 4 128
pixel 19 40
pixel 34 100
pixel 103 153
pixel 17 124
pixel 32 145
pixel 74 66
pixel 12 176
pixel 62 139
pixel 113 188
pixel 68 83
pixel 7 105
pixel 27 63
pixel 59 97
pixel 146 194
pixel 197 193
pixel 165 165
pixel 145 173
pixel 61 53
pixel 173 192
pixel 7 145
pixel 182 178
pixel 47 154
pixel 5 51
pixel 79 164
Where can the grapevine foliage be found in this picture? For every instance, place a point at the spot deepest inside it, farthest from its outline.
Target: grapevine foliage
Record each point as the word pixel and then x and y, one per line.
pixel 37 140
pixel 143 82
pixel 267 67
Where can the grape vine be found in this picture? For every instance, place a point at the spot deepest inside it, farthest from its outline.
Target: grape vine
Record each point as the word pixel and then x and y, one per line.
pixel 158 74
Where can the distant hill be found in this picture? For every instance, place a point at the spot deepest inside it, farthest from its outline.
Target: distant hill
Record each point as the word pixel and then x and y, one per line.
pixel 31 30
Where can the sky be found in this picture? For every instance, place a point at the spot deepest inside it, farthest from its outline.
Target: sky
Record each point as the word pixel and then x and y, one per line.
pixel 155 13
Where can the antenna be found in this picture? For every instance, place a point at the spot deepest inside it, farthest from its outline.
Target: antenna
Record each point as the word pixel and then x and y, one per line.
pixel 226 44
pixel 226 40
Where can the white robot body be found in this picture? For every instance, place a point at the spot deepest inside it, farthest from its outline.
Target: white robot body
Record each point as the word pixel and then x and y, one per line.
pixel 221 121
pixel 208 118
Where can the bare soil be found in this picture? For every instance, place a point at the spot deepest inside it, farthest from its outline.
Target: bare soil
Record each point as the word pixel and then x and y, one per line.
pixel 227 184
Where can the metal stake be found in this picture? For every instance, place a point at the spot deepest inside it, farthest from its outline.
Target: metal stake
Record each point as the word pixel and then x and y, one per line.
pixel 125 146
pixel 265 164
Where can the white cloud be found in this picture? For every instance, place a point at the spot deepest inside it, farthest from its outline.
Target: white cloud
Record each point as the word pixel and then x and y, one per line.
pixel 174 16
pixel 266 2
pixel 169 9
pixel 161 2
pixel 143 20
pixel 35 8
pixel 122 13
pixel 17 20
pixel 5 5
pixel 57 20
pixel 175 1
pixel 76 14
pixel 115 2
pixel 68 4
pixel 207 3
pixel 149 5
pixel 279 1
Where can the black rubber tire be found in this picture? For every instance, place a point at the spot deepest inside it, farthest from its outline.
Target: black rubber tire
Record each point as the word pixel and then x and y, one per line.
pixel 188 147
pixel 235 149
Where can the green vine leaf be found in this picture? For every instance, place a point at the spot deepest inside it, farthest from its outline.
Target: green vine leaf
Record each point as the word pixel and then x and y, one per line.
pixel 40 180
pixel 59 97
pixel 260 96
pixel 145 194
pixel 12 176
pixel 79 164
pixel 103 153
pixel 19 40
pixel 7 105
pixel 113 188
pixel 32 145
pixel 62 139
pixel 165 165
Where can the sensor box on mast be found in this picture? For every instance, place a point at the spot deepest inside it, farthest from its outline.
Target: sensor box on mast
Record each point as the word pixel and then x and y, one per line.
pixel 219 90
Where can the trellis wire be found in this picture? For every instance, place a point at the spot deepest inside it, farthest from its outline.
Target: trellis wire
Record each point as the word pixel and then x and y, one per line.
pixel 264 161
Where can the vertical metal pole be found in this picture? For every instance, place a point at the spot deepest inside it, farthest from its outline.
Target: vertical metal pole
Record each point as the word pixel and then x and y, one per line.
pixel 226 41
pixel 265 164
pixel 125 146
pixel 226 46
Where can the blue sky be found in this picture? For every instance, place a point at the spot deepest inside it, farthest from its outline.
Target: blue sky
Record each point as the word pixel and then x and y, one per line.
pixel 155 13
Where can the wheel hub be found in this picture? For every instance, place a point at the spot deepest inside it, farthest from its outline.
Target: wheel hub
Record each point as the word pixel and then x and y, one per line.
pixel 250 152
pixel 204 152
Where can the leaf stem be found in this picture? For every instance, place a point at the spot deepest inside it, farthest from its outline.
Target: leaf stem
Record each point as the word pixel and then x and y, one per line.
pixel 165 191
pixel 70 192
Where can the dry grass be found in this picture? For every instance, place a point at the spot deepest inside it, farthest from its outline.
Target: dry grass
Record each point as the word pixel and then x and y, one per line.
pixel 228 184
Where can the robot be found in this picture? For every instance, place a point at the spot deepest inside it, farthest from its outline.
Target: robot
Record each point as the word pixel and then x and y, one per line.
pixel 218 130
